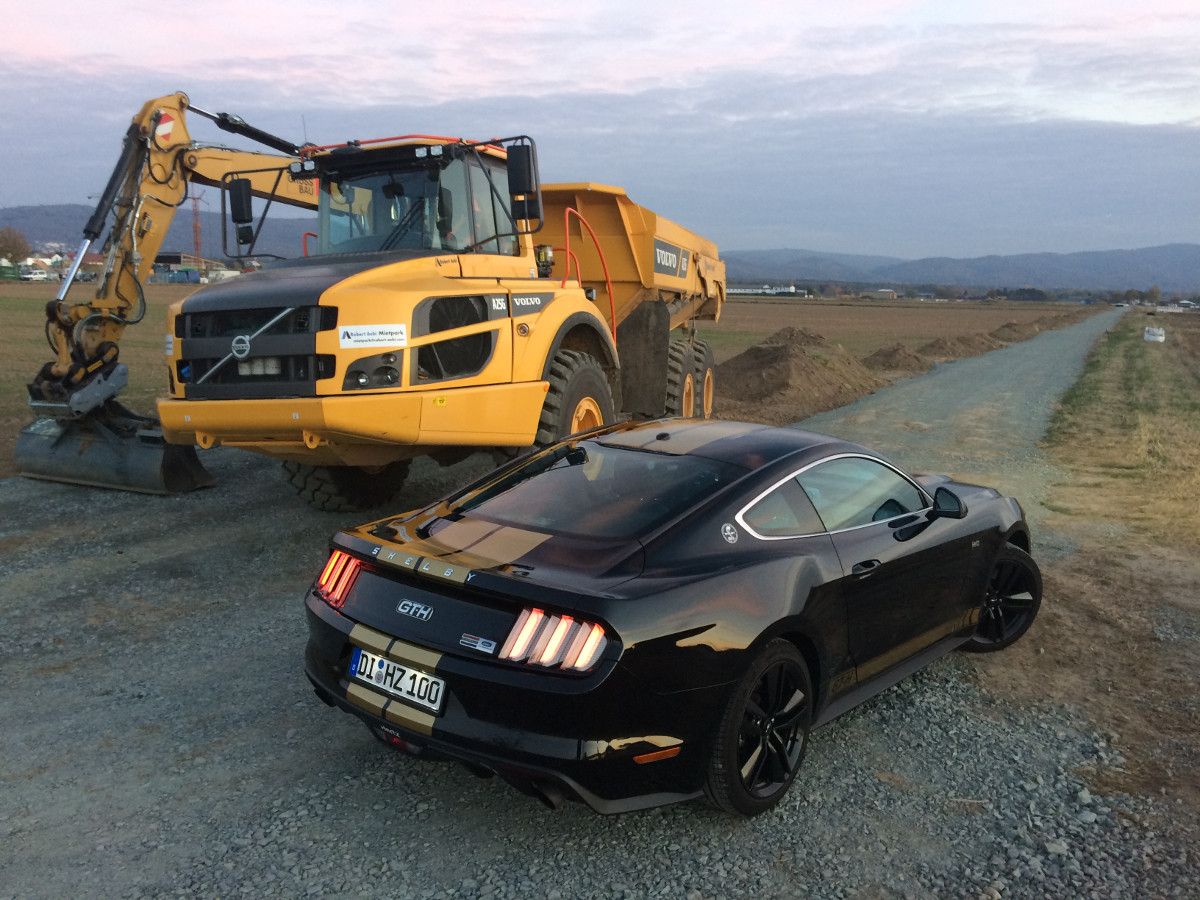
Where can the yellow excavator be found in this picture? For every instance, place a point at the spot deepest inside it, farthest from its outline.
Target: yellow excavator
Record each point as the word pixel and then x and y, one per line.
pixel 84 434
pixel 423 318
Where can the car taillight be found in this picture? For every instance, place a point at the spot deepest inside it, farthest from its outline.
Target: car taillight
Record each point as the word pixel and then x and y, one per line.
pixel 545 639
pixel 337 578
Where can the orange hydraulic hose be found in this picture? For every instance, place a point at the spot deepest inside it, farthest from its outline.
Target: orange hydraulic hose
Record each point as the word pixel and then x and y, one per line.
pixel 612 302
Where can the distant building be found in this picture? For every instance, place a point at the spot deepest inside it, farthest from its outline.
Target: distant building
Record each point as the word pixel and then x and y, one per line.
pixel 879 294
pixel 769 290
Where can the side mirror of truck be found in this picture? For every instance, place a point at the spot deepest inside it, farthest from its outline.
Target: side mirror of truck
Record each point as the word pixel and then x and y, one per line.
pixel 523 182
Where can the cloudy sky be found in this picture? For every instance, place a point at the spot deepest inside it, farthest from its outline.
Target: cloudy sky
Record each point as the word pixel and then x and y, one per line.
pixel 885 127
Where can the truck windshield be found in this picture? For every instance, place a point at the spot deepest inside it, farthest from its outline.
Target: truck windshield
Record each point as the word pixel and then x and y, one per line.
pixel 437 205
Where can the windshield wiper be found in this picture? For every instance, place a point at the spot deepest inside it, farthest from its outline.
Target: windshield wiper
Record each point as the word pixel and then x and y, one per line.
pixel 405 226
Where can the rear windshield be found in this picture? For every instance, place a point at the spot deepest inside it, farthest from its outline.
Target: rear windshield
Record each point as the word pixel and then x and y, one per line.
pixel 592 490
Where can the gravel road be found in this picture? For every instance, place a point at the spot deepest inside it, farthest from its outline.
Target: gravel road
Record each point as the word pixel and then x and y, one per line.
pixel 159 737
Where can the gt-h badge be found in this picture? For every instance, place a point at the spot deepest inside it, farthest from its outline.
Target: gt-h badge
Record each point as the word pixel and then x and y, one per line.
pixel 416 610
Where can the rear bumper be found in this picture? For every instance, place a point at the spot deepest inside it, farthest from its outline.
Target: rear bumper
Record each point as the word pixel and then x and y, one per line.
pixel 359 429
pixel 559 753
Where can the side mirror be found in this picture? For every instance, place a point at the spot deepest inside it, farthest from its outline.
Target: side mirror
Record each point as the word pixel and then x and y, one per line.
pixel 523 182
pixel 946 505
pixel 240 207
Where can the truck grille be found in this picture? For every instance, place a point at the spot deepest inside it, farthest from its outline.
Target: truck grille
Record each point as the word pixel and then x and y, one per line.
pixel 253 353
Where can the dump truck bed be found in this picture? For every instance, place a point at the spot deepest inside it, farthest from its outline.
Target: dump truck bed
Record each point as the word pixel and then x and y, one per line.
pixel 648 256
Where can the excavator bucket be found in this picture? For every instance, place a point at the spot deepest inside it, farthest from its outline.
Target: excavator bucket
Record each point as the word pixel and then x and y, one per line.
pixel 128 454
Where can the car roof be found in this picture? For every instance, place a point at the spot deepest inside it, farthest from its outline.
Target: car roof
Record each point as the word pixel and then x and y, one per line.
pixel 744 444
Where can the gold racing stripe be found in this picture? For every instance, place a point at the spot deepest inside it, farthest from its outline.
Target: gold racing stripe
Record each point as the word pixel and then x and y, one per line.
pixel 411 654
pixel 508 544
pixel 403 714
pixel 366 698
pixel 392 710
pixel 455 552
pixel 370 639
pixel 458 536
pixel 393 648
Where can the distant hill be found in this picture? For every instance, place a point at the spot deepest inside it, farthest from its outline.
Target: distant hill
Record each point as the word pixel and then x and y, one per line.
pixel 1172 267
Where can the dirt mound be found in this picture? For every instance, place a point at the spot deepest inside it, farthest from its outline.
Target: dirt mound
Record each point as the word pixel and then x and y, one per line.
pixel 1014 331
pixel 960 347
pixel 795 337
pixel 792 374
pixel 896 358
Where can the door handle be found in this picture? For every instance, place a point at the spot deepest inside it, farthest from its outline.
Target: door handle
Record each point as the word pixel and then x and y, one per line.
pixel 863 569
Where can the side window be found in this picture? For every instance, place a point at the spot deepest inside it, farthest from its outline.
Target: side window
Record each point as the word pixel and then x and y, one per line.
pixel 453 208
pixel 855 491
pixel 785 512
pixel 491 217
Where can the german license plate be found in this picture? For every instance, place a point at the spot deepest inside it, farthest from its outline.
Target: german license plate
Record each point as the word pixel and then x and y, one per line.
pixel 401 681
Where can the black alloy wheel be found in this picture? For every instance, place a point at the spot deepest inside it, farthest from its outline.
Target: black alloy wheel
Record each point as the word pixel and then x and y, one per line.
pixel 763 733
pixel 1010 603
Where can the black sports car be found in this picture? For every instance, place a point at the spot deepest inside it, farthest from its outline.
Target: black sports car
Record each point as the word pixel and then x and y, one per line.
pixel 658 611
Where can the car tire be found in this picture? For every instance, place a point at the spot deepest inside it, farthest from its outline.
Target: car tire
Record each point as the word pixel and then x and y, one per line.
pixel 681 380
pixel 705 364
pixel 763 732
pixel 578 399
pixel 345 488
pixel 1011 601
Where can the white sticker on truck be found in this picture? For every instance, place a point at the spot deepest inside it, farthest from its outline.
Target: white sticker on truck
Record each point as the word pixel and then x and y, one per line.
pixel 372 336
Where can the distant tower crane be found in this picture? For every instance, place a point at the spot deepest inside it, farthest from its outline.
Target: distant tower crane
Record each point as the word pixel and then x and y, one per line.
pixel 197 245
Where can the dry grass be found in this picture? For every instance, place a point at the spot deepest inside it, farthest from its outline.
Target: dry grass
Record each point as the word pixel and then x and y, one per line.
pixel 1130 431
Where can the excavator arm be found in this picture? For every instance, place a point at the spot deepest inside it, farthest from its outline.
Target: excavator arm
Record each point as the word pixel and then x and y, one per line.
pixel 75 391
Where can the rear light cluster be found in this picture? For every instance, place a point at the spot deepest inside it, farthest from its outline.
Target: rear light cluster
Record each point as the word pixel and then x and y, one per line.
pixel 545 639
pixel 337 578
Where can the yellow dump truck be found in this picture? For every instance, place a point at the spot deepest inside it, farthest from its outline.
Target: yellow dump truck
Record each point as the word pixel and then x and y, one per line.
pixel 444 301
pixel 450 302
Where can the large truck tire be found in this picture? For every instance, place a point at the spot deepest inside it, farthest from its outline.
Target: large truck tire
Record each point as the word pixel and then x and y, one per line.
pixel 346 488
pixel 579 398
pixel 705 380
pixel 681 379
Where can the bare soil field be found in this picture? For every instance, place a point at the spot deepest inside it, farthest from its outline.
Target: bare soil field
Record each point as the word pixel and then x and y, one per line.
pixel 862 327
pixel 820 356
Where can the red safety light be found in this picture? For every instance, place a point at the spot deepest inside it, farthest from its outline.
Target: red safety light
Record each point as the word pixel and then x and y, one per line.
pixel 337 578
pixel 545 639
